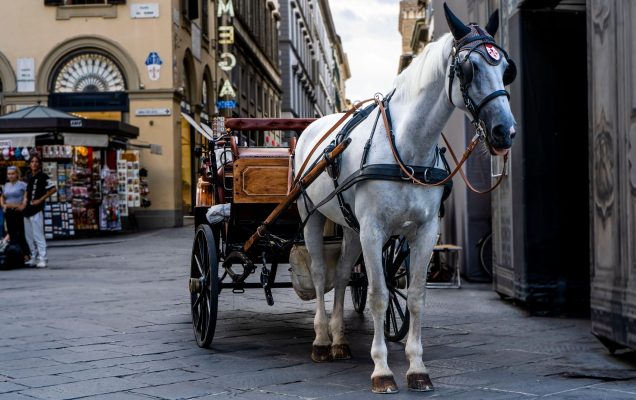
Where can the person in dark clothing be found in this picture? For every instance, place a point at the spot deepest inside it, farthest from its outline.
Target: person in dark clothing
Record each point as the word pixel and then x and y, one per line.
pixel 13 203
pixel 38 190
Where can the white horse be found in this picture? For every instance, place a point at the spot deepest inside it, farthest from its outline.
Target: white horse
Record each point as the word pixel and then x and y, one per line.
pixel 420 107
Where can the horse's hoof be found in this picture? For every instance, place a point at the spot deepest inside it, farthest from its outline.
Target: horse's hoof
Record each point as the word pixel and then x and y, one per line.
pixel 321 354
pixel 383 384
pixel 419 382
pixel 341 352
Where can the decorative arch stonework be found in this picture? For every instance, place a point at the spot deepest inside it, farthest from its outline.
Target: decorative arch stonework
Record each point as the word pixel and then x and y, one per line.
pixel 86 43
pixel 7 75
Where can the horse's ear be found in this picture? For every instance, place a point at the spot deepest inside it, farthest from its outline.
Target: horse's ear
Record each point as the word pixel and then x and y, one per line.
pixel 457 27
pixel 493 23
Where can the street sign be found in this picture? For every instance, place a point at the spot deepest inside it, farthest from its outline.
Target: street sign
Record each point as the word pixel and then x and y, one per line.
pixel 146 10
pixel 225 104
pixel 148 112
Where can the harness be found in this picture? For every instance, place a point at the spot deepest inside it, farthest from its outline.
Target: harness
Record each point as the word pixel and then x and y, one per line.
pixel 430 175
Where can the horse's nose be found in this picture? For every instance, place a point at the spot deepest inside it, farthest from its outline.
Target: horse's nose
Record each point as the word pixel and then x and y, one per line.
pixel 501 137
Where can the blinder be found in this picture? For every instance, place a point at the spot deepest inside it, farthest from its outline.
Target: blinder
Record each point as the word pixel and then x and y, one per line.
pixel 468 71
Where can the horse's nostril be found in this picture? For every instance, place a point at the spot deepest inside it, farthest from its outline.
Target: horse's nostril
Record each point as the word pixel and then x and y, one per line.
pixel 513 132
pixel 499 132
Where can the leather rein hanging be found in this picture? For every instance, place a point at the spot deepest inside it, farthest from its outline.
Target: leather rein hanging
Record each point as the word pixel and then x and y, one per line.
pixel 458 163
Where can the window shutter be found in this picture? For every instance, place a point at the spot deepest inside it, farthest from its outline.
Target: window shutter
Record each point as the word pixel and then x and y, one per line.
pixel 193 9
pixel 53 2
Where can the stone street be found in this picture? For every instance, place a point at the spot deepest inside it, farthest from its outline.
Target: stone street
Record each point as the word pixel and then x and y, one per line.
pixel 110 319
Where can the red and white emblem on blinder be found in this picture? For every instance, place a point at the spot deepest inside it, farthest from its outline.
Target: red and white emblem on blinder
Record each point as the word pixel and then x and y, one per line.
pixel 492 51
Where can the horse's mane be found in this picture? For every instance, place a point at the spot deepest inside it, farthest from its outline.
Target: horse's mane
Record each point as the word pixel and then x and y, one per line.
pixel 427 67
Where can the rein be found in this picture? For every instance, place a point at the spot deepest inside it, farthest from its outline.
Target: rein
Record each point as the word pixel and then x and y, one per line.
pixel 458 163
pixel 325 136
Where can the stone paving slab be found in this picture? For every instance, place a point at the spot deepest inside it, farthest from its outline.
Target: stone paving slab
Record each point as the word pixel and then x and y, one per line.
pixel 112 321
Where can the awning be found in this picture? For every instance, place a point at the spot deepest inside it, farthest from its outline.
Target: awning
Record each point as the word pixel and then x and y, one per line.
pixel 18 139
pixel 196 126
pixel 85 139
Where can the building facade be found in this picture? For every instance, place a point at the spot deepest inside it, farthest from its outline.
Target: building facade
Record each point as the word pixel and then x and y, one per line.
pixel 147 64
pixel 313 63
pixel 250 80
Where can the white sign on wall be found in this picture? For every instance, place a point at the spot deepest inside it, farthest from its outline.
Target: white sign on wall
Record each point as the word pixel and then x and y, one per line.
pixel 26 74
pixel 144 10
pixel 147 112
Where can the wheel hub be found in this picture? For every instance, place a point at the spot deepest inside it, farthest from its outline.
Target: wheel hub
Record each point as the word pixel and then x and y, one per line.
pixel 196 285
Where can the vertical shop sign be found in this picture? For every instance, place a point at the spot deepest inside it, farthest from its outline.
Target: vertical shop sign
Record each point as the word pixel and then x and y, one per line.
pixel 225 33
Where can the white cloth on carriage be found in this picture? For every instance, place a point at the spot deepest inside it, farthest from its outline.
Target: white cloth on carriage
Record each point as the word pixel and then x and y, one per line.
pixel 218 213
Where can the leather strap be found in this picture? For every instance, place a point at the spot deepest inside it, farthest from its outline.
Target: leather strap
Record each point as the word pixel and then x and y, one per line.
pixel 386 172
pixel 465 178
pixel 353 109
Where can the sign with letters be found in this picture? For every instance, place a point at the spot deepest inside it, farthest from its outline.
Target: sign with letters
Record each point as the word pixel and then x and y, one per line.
pixel 144 10
pixel 225 36
pixel 151 112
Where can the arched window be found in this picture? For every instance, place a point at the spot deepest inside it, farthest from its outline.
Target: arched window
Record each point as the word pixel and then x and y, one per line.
pixel 88 72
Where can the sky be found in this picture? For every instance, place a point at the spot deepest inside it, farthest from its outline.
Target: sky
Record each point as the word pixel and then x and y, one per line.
pixel 370 37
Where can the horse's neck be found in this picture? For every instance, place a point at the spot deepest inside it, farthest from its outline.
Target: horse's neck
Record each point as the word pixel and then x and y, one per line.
pixel 419 123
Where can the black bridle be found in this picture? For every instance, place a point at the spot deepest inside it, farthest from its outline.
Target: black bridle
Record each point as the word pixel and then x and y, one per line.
pixel 464 70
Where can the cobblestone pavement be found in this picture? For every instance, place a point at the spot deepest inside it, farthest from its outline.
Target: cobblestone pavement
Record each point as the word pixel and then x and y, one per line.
pixel 112 321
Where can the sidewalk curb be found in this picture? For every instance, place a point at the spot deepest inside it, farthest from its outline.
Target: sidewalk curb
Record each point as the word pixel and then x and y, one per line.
pixel 106 241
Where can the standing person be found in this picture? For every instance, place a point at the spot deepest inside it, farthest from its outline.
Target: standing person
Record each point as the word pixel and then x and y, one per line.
pixel 13 202
pixel 39 189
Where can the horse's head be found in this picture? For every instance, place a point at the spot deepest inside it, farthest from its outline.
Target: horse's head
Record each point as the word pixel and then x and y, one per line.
pixel 478 72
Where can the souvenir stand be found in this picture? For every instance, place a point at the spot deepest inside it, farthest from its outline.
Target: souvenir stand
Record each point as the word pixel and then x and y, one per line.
pixel 95 188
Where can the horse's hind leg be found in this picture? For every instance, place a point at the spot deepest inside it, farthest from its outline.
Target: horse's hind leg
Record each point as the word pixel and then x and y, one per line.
pixel 349 254
pixel 372 239
pixel 321 349
pixel 421 247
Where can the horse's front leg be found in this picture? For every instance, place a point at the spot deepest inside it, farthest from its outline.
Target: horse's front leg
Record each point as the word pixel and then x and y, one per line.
pixel 421 245
pixel 372 238
pixel 348 255
pixel 321 349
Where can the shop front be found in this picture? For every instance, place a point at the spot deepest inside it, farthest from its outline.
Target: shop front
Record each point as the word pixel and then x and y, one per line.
pixel 100 181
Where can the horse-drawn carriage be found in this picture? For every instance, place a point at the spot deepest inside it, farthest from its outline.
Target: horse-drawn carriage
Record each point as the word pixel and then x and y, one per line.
pixel 383 193
pixel 238 188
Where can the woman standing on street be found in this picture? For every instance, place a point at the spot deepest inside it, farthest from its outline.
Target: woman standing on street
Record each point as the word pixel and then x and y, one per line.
pixel 13 203
pixel 38 190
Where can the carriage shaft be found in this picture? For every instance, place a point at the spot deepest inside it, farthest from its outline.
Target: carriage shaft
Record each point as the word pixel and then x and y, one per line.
pixel 295 193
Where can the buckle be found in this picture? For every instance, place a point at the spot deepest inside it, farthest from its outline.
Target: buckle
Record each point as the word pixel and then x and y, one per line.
pixel 428 175
pixel 406 177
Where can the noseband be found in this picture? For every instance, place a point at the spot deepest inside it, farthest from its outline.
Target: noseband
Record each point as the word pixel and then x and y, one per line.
pixel 464 70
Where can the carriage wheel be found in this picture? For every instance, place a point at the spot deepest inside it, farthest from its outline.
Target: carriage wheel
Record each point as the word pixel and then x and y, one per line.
pixel 395 260
pixel 204 285
pixel 359 286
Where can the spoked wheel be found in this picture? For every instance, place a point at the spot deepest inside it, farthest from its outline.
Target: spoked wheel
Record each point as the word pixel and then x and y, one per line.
pixel 359 286
pixel 204 285
pixel 395 260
